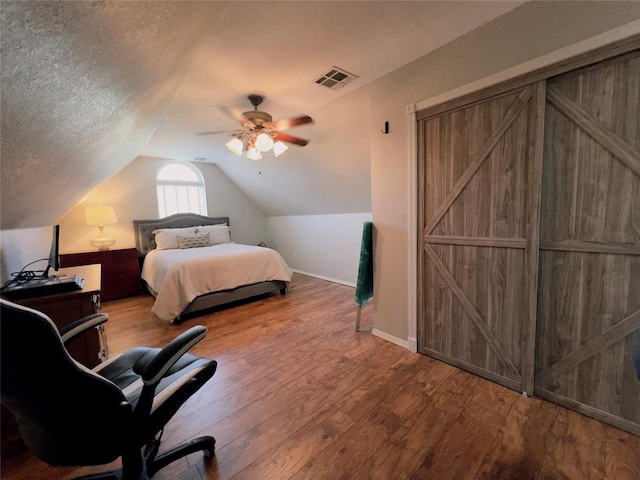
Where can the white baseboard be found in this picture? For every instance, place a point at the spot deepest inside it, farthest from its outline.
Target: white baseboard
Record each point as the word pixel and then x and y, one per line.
pixel 413 345
pixel 390 338
pixel 322 277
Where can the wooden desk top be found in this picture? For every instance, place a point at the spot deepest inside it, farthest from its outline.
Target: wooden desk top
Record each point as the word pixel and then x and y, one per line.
pixel 91 274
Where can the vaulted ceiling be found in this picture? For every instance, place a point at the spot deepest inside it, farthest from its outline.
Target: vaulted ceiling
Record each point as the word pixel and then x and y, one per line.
pixel 88 86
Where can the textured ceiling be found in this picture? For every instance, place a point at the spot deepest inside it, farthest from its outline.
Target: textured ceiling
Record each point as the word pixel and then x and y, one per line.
pixel 88 86
pixel 84 85
pixel 279 49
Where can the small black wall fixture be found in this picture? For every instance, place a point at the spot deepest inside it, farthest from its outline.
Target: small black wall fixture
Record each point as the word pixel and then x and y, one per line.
pixel 386 128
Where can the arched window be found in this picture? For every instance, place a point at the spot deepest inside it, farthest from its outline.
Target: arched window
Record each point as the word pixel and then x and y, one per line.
pixel 181 189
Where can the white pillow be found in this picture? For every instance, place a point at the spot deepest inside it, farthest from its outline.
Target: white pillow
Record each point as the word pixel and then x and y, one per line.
pixel 217 233
pixel 166 238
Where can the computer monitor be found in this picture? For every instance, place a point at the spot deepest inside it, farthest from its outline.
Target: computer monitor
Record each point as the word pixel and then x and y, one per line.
pixel 54 256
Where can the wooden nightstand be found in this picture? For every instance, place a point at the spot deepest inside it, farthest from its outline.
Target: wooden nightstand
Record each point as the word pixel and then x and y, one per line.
pixel 120 271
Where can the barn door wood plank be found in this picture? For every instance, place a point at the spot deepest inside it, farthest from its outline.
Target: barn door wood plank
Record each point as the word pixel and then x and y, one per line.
pixel 619 331
pixel 482 155
pixel 477 319
pixel 534 193
pixel 590 247
pixel 477 241
pixel 609 140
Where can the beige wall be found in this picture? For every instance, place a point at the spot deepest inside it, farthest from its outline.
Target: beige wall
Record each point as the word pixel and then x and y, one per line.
pixel 326 246
pixel 331 175
pixel 528 32
pixel 22 246
pixel 132 192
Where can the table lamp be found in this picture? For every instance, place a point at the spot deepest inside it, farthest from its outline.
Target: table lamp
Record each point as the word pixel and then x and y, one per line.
pixel 101 216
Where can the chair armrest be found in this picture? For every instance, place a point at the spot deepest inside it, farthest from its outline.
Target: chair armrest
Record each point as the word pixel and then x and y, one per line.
pixel 75 328
pixel 160 364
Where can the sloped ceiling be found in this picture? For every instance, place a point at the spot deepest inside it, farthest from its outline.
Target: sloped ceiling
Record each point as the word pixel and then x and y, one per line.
pixel 279 49
pixel 85 87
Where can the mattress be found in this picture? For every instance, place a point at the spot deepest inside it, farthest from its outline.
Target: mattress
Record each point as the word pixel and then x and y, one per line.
pixel 178 276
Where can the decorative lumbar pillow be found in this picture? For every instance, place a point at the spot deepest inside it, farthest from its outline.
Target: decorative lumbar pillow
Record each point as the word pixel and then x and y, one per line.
pixel 166 238
pixel 217 233
pixel 194 241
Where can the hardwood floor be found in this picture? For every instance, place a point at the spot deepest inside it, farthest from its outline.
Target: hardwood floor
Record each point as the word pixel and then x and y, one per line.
pixel 299 395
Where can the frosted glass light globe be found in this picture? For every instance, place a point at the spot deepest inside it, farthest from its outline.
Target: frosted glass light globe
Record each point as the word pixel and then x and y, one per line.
pixel 279 148
pixel 253 154
pixel 235 146
pixel 264 142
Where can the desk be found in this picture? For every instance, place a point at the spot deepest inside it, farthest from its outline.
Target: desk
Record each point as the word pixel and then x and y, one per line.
pixel 63 308
pixel 66 307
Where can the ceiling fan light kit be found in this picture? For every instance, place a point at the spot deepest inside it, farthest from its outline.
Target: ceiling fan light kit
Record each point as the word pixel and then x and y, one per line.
pixel 261 133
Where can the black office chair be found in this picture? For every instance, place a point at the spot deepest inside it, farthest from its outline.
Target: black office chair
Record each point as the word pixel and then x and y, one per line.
pixel 70 415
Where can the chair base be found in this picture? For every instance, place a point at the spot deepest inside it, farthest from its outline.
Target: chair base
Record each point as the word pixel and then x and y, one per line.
pixel 137 467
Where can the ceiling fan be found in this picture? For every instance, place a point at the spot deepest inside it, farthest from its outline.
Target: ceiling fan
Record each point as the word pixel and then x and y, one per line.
pixel 260 133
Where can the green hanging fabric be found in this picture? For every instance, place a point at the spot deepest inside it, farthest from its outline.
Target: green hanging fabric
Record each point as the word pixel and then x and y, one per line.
pixel 364 287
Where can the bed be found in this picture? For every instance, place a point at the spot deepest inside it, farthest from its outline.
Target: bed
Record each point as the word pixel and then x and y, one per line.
pixel 185 281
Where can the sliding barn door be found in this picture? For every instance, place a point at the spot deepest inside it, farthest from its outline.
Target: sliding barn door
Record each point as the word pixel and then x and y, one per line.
pixel 589 289
pixel 479 173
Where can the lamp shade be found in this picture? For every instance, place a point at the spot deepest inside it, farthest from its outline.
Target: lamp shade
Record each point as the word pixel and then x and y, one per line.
pixel 101 215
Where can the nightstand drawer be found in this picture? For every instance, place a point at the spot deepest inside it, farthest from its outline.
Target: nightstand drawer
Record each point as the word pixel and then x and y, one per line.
pixel 121 279
pixel 118 267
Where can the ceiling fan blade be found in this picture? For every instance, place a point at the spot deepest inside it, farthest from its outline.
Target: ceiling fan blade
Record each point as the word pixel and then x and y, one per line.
pixel 285 137
pixel 216 133
pixel 287 123
pixel 237 115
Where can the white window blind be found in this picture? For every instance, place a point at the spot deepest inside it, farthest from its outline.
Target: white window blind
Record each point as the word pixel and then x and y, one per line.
pixel 181 189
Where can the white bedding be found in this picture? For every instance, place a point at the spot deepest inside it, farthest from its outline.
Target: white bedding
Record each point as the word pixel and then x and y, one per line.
pixel 178 276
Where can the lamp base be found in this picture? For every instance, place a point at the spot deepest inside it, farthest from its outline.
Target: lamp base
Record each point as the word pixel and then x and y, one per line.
pixel 102 243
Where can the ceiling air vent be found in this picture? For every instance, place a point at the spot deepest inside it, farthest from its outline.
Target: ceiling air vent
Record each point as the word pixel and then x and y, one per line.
pixel 336 78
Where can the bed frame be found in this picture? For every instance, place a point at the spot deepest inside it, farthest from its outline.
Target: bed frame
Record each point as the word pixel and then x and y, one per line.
pixel 145 242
